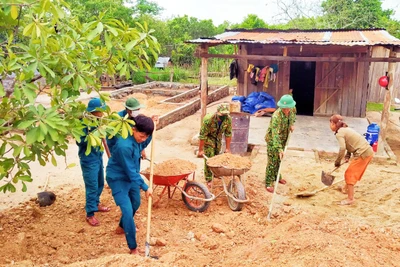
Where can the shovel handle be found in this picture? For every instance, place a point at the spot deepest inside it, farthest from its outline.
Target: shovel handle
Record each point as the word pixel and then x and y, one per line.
pixel 337 167
pixel 325 187
pixel 106 148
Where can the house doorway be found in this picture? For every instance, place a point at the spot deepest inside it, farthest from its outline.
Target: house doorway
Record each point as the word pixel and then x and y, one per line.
pixel 302 81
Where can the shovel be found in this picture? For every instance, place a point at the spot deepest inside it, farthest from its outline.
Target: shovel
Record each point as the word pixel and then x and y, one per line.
pixel 149 204
pixel 46 198
pixel 327 178
pixel 311 193
pixel 277 180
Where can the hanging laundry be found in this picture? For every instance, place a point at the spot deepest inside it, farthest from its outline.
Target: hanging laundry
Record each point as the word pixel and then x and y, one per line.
pixel 257 74
pixel 234 69
pixel 267 77
pixel 274 68
pixel 250 68
pixel 253 76
pixel 263 73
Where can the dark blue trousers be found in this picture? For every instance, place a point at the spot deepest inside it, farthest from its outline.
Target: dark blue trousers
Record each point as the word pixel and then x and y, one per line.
pixel 93 176
pixel 127 196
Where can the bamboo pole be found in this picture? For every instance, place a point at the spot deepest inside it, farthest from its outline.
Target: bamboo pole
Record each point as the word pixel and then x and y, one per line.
pixel 203 83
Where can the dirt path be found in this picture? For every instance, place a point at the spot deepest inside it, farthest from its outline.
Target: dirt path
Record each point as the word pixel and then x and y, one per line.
pixel 303 232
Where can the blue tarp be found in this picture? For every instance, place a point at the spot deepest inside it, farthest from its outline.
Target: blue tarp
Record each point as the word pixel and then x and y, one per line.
pixel 255 101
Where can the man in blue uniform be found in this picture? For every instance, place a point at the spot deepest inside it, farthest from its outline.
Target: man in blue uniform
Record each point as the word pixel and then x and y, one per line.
pixel 124 179
pixel 92 167
pixel 132 108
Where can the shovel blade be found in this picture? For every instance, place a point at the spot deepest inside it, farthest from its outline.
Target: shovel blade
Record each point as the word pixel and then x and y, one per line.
pixel 327 179
pixel 306 194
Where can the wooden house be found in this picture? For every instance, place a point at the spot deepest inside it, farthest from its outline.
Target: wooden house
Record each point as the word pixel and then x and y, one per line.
pixel 328 70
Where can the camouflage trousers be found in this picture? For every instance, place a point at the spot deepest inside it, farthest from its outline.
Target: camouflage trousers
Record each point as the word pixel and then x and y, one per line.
pixel 209 152
pixel 272 168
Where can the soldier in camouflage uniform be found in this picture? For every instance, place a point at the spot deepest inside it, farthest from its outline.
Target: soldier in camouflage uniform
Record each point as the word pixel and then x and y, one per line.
pixel 213 127
pixel 282 122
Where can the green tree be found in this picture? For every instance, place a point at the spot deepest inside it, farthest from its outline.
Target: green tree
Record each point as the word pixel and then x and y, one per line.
pixel 71 56
pixel 345 14
pixel 113 9
pixel 251 21
pixel 185 28
pixel 144 7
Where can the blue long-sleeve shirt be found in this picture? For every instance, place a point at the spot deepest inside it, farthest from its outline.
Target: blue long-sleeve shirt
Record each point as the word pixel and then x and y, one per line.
pixel 111 142
pixel 125 161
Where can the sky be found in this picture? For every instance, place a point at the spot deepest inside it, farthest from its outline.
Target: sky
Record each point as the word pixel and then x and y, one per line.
pixel 235 10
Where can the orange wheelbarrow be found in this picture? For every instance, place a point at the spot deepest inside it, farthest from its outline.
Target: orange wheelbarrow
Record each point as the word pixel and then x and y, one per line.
pixel 195 195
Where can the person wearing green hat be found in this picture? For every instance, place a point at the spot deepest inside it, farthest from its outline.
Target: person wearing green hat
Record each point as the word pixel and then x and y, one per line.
pixel 282 121
pixel 92 167
pixel 132 108
pixel 213 127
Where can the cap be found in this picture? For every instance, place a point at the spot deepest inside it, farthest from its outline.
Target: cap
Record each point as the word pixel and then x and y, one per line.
pixel 95 103
pixel 132 104
pixel 286 101
pixel 223 109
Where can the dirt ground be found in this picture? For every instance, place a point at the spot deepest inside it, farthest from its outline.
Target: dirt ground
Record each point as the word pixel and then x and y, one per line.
pixel 311 231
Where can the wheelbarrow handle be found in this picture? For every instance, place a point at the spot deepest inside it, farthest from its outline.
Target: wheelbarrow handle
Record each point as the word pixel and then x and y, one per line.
pixel 149 160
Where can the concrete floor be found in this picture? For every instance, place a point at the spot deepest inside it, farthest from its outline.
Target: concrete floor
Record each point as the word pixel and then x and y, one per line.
pixel 310 132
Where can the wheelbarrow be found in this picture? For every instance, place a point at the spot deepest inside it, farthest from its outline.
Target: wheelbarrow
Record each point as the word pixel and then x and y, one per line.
pixel 235 190
pixel 195 195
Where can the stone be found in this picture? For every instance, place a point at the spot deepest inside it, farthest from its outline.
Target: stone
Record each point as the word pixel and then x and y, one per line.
pixel 211 244
pixel 195 140
pixel 218 228
pixel 230 234
pixel 161 242
pixel 190 236
pixel 153 241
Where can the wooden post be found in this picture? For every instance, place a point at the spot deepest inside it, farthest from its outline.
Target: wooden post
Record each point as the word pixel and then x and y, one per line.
pixel 171 75
pixel 246 75
pixel 243 65
pixel 203 82
pixel 386 106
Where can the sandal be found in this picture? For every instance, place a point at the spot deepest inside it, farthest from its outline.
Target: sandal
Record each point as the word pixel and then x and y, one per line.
pixel 120 230
pixel 102 208
pixel 92 221
pixel 345 202
pixel 269 189
pixel 282 181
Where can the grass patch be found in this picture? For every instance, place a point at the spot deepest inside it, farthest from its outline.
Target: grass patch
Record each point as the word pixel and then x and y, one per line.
pixel 373 106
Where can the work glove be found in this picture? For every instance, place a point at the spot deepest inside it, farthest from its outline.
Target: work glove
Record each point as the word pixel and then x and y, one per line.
pixel 337 163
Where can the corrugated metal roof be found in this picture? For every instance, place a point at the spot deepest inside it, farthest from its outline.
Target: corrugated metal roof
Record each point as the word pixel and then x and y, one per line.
pixel 365 37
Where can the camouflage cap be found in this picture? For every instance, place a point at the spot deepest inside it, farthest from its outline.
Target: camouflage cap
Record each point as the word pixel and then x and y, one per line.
pixel 223 109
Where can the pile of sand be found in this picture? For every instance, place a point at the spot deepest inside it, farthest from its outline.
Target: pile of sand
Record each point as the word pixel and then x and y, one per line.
pixel 230 161
pixel 173 167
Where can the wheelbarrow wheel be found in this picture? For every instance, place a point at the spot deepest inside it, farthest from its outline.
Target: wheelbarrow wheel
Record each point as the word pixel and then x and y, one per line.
pixel 199 190
pixel 236 188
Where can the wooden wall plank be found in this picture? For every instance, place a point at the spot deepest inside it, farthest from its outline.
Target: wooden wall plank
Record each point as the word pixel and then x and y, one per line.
pixel 317 90
pixel 365 90
pixel 358 89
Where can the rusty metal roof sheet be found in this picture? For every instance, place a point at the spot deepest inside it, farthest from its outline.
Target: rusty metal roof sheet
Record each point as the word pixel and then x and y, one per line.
pixel 365 37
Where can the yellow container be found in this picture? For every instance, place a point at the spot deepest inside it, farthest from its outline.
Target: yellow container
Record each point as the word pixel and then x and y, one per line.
pixel 235 106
